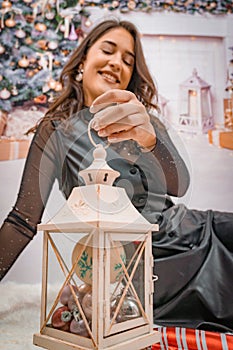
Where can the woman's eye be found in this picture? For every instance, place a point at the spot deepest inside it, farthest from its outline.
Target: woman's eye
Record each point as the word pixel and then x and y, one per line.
pixel 107 52
pixel 129 62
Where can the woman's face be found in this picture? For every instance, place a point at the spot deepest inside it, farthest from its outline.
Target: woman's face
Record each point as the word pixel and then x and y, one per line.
pixel 109 64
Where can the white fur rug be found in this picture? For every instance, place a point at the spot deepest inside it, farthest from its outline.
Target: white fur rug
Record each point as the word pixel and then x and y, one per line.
pixel 19 315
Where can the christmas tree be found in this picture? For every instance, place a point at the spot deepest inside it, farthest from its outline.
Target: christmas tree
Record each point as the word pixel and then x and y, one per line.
pixel 36 40
pixel 37 37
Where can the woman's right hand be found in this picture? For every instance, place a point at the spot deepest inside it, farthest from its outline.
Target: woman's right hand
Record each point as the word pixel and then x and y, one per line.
pixel 120 116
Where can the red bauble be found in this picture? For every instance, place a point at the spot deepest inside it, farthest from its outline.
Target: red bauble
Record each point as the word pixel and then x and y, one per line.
pixel 61 318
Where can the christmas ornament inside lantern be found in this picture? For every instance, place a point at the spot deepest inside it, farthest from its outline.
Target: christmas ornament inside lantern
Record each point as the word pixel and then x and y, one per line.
pixel 97 288
pixel 195 105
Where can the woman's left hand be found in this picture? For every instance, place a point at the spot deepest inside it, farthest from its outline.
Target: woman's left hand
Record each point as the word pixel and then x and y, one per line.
pixel 120 116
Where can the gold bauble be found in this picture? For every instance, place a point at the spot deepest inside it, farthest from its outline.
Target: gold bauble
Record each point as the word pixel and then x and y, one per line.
pixel 2 49
pixel 41 27
pixel 23 62
pixel 6 4
pixel 131 4
pixel 10 22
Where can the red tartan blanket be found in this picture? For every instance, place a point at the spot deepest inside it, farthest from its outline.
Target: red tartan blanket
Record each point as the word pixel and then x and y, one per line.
pixel 175 338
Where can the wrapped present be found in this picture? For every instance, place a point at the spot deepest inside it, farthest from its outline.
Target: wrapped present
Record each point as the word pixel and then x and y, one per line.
pixel 11 149
pixel 175 338
pixel 221 137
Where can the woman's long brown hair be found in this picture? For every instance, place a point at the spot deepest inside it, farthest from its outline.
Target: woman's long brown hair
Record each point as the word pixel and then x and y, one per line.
pixel 71 99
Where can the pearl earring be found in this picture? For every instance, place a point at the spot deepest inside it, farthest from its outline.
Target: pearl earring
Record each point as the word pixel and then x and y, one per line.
pixel 79 76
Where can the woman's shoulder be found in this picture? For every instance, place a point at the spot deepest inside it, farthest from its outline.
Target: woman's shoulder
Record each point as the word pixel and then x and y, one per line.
pixel 47 124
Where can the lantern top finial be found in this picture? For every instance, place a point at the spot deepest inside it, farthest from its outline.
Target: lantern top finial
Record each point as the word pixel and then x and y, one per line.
pixel 195 82
pixel 99 172
pixel 195 72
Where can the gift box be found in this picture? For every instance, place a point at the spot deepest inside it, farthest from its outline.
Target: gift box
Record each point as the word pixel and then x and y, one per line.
pixel 175 338
pixel 11 149
pixel 221 138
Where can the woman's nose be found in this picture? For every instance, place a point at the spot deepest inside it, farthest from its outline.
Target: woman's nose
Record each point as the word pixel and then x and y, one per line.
pixel 115 61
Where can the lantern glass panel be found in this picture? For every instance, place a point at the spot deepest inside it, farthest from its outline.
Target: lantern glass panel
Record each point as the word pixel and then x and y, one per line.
pixel 184 102
pixel 205 103
pixel 69 281
pixel 193 103
pixel 125 282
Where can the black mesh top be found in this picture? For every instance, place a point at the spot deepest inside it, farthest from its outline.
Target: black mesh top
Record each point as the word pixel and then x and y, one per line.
pixel 60 149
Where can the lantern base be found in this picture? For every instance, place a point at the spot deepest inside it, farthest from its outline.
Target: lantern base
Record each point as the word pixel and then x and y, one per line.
pixel 140 343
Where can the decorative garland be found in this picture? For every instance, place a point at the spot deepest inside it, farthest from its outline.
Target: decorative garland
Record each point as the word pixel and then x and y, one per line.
pixel 178 6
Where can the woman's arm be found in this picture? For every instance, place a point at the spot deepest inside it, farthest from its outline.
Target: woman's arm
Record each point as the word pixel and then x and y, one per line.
pixel 38 177
pixel 120 116
pixel 174 168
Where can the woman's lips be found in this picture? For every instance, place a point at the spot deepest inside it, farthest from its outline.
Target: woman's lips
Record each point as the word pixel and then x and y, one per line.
pixel 111 78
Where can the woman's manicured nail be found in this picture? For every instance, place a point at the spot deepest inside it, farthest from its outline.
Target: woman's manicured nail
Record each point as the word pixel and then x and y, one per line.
pixel 113 139
pixel 102 133
pixel 95 125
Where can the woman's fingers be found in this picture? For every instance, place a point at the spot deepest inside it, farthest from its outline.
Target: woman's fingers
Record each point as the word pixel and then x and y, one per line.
pixel 124 124
pixel 111 97
pixel 126 113
pixel 120 116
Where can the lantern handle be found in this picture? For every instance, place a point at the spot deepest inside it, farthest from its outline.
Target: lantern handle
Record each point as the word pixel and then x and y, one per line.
pixel 91 138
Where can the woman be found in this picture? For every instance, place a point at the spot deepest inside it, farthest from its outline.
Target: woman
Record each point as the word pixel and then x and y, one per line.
pixel 107 81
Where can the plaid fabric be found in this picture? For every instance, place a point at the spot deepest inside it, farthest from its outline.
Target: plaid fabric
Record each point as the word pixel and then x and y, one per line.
pixel 174 338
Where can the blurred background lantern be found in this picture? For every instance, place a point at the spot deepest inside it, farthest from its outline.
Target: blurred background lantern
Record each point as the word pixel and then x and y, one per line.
pixel 101 246
pixel 195 105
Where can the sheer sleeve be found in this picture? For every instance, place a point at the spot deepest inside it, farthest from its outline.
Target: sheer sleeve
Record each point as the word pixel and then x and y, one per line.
pixel 174 169
pixel 38 177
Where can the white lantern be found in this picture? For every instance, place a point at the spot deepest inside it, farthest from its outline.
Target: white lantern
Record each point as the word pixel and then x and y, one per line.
pixel 102 248
pixel 195 105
